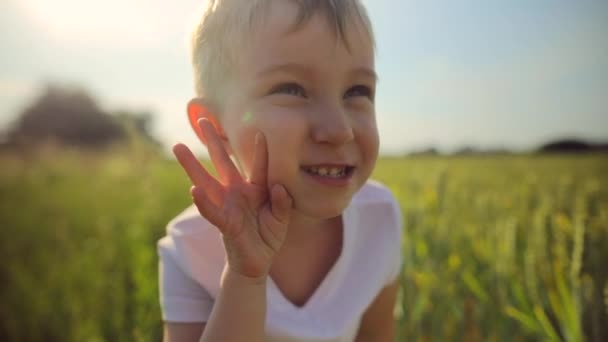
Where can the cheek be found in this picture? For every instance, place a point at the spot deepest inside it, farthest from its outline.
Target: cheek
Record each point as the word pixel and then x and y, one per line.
pixel 285 135
pixel 242 143
pixel 374 145
pixel 280 164
pixel 368 138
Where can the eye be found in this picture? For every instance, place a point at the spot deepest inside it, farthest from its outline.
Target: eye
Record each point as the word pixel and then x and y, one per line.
pixel 289 89
pixel 360 90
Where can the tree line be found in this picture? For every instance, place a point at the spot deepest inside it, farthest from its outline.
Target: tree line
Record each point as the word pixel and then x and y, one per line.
pixel 70 116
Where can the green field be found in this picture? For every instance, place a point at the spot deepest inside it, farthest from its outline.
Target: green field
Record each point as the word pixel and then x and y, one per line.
pixel 511 248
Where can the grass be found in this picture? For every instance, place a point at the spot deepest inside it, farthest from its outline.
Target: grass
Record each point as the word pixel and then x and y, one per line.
pixel 495 248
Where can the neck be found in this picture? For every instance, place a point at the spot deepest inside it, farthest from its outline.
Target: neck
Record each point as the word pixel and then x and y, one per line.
pixel 303 227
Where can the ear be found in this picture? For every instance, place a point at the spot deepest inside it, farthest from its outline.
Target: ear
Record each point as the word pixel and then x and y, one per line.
pixel 198 109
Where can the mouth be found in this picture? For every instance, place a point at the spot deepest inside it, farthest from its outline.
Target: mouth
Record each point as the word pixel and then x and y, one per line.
pixel 329 171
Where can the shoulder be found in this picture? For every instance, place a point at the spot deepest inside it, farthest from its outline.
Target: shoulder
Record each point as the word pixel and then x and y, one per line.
pixel 375 197
pixel 189 221
pixel 193 245
pixel 374 192
pixel 189 228
pixel 375 215
pixel 185 228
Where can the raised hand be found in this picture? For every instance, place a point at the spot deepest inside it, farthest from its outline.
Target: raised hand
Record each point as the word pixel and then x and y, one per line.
pixel 251 216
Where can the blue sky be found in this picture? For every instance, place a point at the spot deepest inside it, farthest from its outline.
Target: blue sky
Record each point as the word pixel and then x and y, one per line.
pixel 452 73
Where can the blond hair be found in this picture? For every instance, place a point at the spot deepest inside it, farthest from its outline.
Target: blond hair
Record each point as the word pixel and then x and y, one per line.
pixel 222 29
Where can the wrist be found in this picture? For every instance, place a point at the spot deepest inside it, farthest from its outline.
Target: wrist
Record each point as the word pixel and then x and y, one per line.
pixel 230 275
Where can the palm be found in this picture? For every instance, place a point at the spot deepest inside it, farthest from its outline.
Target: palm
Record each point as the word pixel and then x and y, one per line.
pixel 253 220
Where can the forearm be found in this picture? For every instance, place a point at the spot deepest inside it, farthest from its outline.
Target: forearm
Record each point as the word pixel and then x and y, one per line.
pixel 239 313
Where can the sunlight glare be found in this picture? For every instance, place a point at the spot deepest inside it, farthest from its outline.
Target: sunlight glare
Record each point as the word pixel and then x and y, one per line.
pixel 92 20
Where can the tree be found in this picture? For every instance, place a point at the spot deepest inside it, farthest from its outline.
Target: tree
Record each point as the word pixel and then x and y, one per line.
pixel 137 126
pixel 69 116
pixel 573 145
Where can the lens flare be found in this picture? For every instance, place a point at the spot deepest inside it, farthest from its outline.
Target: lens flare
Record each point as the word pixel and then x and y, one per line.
pixel 248 117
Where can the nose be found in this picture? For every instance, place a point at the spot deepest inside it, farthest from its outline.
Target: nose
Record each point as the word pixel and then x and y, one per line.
pixel 332 126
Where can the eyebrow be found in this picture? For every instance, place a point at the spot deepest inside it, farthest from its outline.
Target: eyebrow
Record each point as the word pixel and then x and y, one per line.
pixel 302 69
pixel 365 72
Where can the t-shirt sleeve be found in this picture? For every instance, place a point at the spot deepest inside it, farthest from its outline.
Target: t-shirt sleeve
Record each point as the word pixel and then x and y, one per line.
pixel 181 298
pixel 396 255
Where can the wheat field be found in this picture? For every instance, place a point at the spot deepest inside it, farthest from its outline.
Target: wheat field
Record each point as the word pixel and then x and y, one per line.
pixel 495 248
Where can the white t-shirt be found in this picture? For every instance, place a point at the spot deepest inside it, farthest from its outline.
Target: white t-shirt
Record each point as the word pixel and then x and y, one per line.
pixel 192 258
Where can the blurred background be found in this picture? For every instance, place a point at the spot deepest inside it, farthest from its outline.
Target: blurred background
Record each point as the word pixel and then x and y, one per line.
pixel 493 120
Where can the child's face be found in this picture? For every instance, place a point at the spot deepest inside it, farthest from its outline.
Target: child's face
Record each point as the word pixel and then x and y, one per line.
pixel 313 100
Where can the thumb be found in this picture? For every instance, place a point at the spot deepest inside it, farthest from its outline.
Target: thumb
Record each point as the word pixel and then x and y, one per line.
pixel 280 204
pixel 275 217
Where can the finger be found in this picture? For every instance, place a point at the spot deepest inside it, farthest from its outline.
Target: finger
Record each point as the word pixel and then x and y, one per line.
pixel 197 173
pixel 228 172
pixel 206 208
pixel 259 168
pixel 275 218
pixel 233 211
pixel 280 204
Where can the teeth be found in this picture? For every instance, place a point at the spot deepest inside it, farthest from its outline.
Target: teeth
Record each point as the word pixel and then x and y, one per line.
pixel 334 172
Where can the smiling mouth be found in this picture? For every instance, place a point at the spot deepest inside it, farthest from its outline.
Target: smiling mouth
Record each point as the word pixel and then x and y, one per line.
pixel 330 171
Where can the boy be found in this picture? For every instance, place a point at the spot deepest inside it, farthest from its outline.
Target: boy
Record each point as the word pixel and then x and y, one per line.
pixel 295 244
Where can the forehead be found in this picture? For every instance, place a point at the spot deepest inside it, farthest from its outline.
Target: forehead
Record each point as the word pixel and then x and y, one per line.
pixel 314 43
